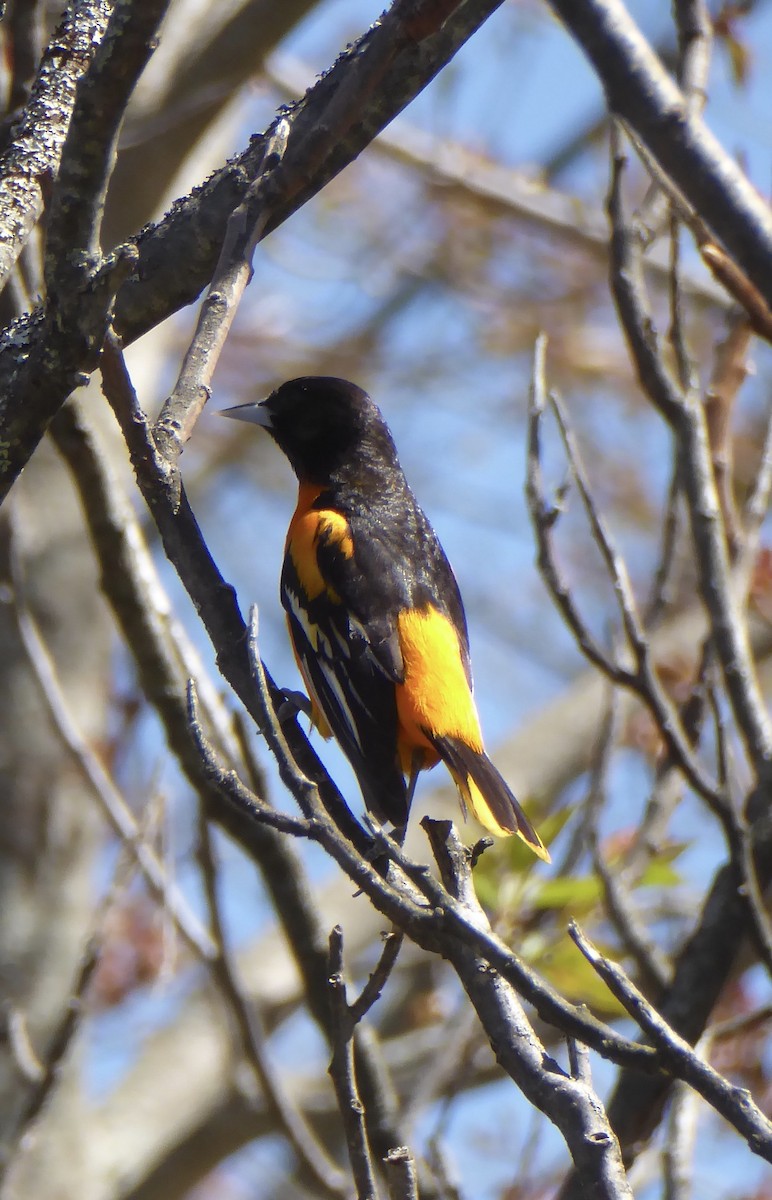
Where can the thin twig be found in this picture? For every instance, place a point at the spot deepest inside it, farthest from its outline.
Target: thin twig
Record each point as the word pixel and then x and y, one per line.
pixel 669 781
pixel 244 230
pixel 730 371
pixel 757 504
pixel 290 1120
pixel 20 1049
pixel 652 964
pixel 379 976
pixel 685 416
pixel 643 680
pixel 746 1022
pixel 616 567
pixel 543 517
pixel 401 1176
pixel 109 798
pixel 450 1189
pixel 677 330
pixel 343 1076
pixel 735 827
pixel 299 785
pixel 229 785
pixel 595 794
pixel 680 1135
pixel 695 39
pixel 256 773
pixel 722 267
pixel 579 1061
pixel 69 1023
pixel 659 599
pixel 733 1103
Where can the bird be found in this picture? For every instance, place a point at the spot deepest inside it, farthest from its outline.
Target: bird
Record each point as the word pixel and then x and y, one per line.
pixel 374 611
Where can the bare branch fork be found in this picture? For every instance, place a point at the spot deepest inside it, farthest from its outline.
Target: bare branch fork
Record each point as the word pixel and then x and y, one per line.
pixel 707 958
pixel 642 679
pixel 717 795
pixel 462 889
pixel 685 416
pixel 567 1099
pixel 732 1102
pixel 412 909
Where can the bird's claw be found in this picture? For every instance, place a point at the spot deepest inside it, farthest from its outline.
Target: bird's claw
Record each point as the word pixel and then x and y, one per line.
pixel 292 704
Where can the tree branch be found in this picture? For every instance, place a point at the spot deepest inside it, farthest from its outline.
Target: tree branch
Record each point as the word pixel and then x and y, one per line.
pixel 733 1103
pixel 32 158
pixel 685 415
pixel 639 90
pixel 231 276
pixel 88 154
pixel 290 1120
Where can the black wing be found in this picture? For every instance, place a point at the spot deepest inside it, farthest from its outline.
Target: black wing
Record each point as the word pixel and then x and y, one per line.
pixel 348 652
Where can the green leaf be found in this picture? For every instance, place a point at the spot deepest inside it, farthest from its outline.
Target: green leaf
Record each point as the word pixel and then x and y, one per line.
pixel 568 970
pixel 568 891
pixel 659 874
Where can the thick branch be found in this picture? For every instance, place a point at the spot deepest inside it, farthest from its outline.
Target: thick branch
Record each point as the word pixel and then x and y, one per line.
pixel 38 137
pixel 570 1102
pixel 639 90
pixel 88 155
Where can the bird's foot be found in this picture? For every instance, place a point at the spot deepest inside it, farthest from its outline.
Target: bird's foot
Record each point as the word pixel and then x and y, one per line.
pixel 292 704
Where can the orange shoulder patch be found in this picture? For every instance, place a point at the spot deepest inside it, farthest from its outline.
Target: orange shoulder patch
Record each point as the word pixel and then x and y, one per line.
pixel 308 527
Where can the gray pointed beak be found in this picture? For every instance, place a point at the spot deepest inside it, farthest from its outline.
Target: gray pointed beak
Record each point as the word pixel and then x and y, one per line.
pixel 256 414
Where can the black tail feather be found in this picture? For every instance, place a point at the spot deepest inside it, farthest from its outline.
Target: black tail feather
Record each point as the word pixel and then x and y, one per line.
pixel 484 791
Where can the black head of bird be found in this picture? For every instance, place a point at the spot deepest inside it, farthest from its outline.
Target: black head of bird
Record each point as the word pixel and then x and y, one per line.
pixel 326 427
